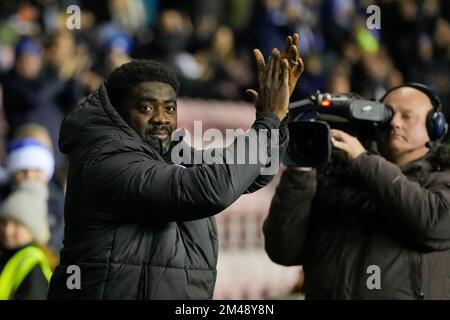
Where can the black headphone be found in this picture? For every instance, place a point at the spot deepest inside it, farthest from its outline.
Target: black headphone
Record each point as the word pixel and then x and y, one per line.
pixel 437 125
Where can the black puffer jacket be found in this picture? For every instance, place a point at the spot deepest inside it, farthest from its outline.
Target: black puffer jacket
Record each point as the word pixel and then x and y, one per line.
pixel 377 217
pixel 137 226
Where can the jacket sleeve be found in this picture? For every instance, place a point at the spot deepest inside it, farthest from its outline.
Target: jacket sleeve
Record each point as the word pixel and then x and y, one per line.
pixel 286 225
pixel 420 213
pixel 150 189
pixel 264 179
pixel 271 170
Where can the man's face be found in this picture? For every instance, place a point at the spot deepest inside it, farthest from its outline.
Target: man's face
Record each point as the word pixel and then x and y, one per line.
pixel 151 110
pixel 405 138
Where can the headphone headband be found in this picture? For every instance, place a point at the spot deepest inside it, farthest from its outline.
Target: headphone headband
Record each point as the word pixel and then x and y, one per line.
pixel 435 101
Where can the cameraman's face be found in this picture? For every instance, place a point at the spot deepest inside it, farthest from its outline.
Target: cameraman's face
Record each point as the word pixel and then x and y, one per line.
pixel 405 138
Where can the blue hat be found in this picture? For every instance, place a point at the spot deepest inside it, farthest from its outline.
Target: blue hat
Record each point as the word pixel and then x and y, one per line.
pixel 113 37
pixel 27 45
pixel 120 42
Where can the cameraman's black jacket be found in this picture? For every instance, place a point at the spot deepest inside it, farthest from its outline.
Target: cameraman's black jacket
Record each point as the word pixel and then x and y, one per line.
pixel 137 226
pixel 376 219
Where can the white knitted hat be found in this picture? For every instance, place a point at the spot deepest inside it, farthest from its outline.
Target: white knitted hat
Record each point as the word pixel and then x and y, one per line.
pixel 28 205
pixel 28 154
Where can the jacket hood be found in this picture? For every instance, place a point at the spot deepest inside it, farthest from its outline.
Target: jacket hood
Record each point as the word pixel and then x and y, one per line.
pixel 95 118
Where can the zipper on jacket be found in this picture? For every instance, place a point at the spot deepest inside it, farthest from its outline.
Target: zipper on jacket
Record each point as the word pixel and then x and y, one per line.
pixel 416 276
pixel 419 277
pixel 145 282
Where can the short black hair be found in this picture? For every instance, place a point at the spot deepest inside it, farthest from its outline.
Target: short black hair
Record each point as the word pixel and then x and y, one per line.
pixel 123 79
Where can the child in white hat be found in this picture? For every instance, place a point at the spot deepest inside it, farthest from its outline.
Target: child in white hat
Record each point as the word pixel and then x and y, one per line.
pixel 24 260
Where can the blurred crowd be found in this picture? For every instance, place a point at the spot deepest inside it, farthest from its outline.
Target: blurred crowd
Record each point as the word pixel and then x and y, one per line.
pixel 46 68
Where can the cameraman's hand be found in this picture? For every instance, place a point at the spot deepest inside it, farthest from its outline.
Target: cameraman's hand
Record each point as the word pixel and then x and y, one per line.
pixel 273 86
pixel 347 143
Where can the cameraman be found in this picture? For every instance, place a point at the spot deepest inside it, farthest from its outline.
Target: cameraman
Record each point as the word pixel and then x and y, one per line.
pixel 381 228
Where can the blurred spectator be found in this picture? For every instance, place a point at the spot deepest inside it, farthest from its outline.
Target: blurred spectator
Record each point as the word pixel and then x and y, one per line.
pixel 338 83
pixel 338 26
pixel 56 185
pixel 313 78
pixel 33 93
pixel 305 16
pixel 173 32
pixel 271 25
pixel 228 74
pixel 116 47
pixel 30 159
pixel 130 15
pixel 238 15
pixel 25 263
pixel 3 130
pixel 60 54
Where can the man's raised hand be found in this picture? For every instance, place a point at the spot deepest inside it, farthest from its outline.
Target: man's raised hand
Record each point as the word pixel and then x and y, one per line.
pixel 295 67
pixel 291 53
pixel 274 87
